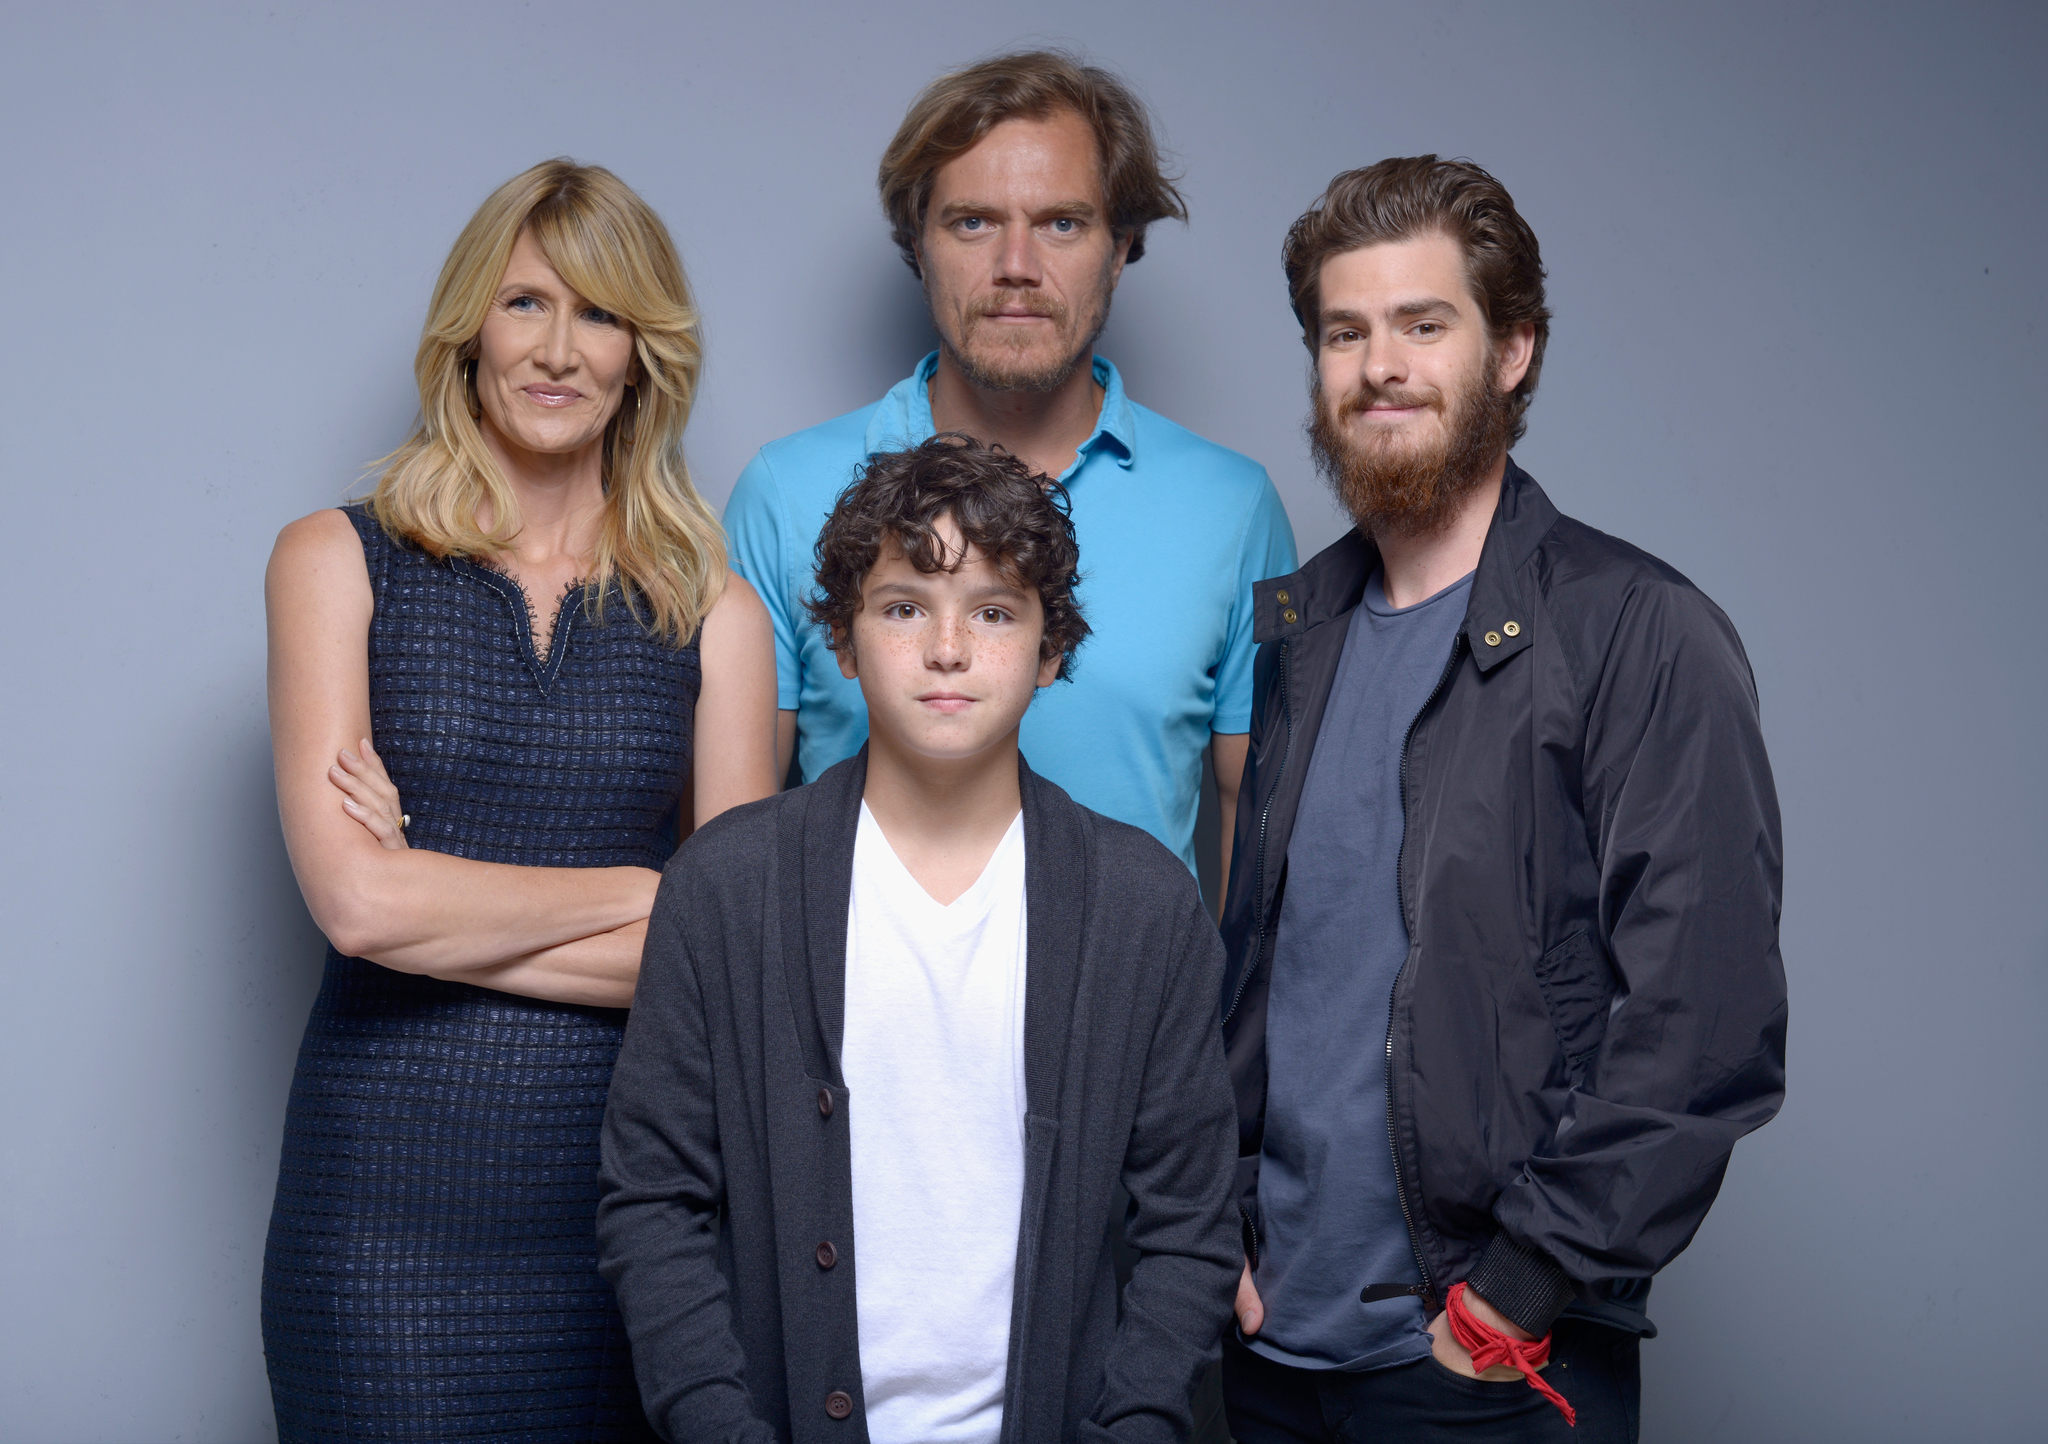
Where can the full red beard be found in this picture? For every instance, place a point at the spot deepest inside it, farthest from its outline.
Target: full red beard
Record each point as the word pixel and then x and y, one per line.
pixel 1411 491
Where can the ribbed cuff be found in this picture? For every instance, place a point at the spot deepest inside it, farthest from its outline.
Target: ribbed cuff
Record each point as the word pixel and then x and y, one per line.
pixel 1528 1288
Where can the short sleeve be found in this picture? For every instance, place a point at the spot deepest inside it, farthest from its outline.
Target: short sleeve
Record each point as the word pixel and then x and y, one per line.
pixel 1266 549
pixel 758 539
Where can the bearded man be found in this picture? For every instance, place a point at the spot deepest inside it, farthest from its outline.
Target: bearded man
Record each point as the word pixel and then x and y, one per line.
pixel 1017 190
pixel 1504 984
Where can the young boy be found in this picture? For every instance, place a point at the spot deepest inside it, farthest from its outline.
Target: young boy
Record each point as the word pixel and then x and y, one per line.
pixel 900 1033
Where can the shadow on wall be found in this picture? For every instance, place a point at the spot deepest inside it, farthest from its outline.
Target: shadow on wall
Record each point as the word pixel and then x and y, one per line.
pixel 894 324
pixel 276 967
pixel 211 1073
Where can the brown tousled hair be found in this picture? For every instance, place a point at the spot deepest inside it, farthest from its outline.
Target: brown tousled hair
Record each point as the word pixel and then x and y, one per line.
pixel 1016 518
pixel 1405 197
pixel 955 111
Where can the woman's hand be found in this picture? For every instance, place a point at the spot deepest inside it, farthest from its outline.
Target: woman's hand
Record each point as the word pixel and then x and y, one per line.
pixel 369 796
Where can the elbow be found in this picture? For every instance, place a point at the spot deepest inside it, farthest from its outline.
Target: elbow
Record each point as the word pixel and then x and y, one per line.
pixel 354 920
pixel 345 923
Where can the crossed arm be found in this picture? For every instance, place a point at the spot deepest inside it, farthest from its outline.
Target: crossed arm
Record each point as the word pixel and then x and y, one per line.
pixel 570 935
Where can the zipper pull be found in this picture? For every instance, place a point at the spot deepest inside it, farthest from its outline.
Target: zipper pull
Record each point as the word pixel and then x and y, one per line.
pixel 1380 1293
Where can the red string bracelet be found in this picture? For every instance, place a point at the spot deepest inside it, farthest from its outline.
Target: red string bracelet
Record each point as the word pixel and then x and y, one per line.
pixel 1489 1346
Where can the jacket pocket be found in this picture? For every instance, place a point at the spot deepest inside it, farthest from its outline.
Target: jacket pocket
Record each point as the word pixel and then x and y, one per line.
pixel 1577 987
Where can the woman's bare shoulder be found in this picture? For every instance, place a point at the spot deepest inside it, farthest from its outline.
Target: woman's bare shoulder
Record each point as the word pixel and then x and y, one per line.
pixel 325 530
pixel 739 615
pixel 740 598
pixel 320 552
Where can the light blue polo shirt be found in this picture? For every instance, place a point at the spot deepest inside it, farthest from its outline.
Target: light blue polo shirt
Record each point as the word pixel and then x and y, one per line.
pixel 1173 531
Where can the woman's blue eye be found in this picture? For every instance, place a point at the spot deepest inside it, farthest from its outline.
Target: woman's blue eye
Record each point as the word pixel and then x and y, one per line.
pixel 603 318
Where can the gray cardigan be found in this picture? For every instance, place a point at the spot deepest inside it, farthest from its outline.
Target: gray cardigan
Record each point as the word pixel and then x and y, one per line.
pixel 727 1168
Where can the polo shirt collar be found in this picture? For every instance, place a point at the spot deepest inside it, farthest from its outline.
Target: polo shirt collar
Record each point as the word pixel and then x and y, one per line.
pixel 904 417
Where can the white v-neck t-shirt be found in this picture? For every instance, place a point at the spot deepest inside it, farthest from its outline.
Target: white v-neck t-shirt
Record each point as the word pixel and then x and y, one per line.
pixel 933 1058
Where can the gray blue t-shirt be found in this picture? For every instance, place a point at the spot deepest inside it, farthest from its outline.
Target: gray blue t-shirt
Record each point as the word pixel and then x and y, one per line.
pixel 1329 1215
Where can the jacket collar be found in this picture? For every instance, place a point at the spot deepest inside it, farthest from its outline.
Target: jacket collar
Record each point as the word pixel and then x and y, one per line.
pixel 816 842
pixel 1057 879
pixel 1498 616
pixel 816 879
pixel 903 417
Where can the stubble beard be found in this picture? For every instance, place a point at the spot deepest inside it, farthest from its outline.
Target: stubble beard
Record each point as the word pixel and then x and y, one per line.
pixel 1407 490
pixel 1003 366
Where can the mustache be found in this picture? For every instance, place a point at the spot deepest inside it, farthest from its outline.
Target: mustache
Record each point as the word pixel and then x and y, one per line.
pixel 1029 303
pixel 1359 402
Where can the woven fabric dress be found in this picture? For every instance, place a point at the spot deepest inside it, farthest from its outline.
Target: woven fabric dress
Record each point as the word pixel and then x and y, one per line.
pixel 432 1265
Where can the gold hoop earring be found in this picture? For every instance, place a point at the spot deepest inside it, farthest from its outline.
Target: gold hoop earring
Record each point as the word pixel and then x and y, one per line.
pixel 469 397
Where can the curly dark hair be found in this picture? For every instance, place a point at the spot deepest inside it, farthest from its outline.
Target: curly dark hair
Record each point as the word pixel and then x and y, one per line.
pixel 1407 196
pixel 1018 519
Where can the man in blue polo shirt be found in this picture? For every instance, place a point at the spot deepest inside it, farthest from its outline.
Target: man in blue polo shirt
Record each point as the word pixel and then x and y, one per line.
pixel 1018 189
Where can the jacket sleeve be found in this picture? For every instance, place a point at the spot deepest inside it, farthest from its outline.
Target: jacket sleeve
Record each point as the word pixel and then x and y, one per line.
pixel 662 1187
pixel 1684 817
pixel 1266 549
pixel 1183 1222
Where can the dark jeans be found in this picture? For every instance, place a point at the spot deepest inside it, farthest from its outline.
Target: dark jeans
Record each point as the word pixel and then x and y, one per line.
pixel 1593 1366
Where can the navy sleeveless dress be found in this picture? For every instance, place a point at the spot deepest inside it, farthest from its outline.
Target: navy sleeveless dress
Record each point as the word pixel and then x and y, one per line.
pixel 431 1271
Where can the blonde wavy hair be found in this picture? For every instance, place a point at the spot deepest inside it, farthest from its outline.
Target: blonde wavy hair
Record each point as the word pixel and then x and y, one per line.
pixel 658 535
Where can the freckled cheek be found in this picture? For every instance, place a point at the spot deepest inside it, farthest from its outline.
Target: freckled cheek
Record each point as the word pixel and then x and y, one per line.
pixel 1010 658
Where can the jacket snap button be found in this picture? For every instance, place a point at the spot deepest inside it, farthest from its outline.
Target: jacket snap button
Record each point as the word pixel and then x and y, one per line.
pixel 1493 639
pixel 825 1102
pixel 839 1403
pixel 1282 596
pixel 1290 616
pixel 1513 629
pixel 827 1255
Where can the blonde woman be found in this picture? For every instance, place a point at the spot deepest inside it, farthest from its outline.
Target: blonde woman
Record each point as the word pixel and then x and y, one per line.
pixel 499 690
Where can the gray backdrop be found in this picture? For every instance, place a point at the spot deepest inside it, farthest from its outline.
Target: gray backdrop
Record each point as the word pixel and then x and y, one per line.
pixel 1795 260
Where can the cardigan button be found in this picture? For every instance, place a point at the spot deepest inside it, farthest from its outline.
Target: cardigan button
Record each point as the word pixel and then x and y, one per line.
pixel 827 1255
pixel 824 1102
pixel 839 1403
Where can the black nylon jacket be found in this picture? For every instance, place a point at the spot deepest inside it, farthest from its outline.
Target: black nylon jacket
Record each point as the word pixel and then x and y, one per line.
pixel 1592 1009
